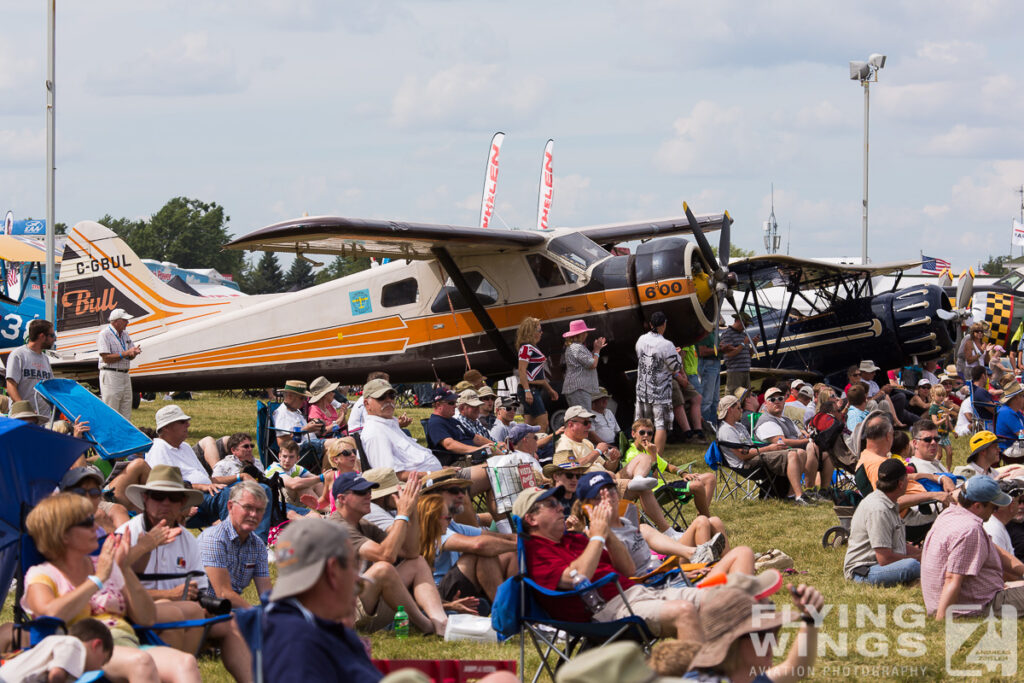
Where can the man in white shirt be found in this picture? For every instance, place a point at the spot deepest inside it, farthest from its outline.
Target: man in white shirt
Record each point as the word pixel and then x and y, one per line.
pixel 161 546
pixel 995 526
pixel 170 448
pixel 28 365
pixel 605 427
pixel 290 424
pixel 925 458
pixel 386 445
pixel 116 351
pixel 773 428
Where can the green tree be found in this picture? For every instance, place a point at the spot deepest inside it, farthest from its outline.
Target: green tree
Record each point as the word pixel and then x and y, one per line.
pixel 185 231
pixel 995 265
pixel 340 267
pixel 300 276
pixel 265 277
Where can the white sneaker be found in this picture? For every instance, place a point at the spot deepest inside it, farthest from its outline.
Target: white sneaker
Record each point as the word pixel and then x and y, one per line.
pixel 710 551
pixel 642 484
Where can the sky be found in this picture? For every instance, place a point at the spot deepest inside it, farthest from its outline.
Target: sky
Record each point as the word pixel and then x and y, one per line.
pixel 279 108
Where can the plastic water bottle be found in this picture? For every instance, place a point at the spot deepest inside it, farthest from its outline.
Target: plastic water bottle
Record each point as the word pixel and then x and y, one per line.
pixel 590 598
pixel 401 623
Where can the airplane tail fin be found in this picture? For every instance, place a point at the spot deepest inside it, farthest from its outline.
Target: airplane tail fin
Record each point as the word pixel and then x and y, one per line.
pixel 99 273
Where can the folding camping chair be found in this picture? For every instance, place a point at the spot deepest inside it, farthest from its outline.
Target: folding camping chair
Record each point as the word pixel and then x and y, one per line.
pixel 111 435
pixel 746 483
pixel 516 611
pixel 978 423
pixel 266 443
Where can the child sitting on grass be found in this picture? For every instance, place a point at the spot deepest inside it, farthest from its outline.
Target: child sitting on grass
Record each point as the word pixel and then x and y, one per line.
pixel 702 485
pixel 56 659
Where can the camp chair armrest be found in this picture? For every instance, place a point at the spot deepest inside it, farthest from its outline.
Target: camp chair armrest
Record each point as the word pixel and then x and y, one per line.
pixel 173 575
pixel 604 580
pixel 188 623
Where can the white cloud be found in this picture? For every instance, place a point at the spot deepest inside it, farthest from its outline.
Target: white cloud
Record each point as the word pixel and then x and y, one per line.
pixel 25 146
pixel 951 52
pixel 972 141
pixel 193 64
pixel 475 95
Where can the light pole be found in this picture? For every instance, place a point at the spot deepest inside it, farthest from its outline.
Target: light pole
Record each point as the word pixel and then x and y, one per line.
pixel 865 72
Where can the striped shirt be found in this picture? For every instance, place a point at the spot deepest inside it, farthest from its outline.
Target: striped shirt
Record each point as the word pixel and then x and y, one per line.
pixel 741 361
pixel 245 560
pixel 109 341
pixel 579 376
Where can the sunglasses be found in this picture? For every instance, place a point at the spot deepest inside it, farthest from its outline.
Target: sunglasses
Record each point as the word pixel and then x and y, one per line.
pixel 585 423
pixel 454 490
pixel 776 399
pixel 571 475
pixel 92 493
pixel 245 445
pixel 161 496
pixel 448 403
pixel 346 452
pixel 364 492
pixel 645 432
pixel 87 523
pixel 928 439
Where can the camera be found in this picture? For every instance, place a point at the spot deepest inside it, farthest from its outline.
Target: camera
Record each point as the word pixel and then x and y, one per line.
pixel 212 604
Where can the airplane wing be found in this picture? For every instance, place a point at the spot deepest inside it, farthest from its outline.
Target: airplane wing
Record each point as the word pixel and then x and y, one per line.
pixel 798 273
pixel 16 248
pixel 357 237
pixel 624 232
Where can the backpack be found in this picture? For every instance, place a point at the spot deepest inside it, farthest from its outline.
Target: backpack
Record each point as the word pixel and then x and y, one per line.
pixel 825 429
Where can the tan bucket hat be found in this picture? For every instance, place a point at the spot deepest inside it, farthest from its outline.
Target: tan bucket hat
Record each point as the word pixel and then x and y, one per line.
pixel 320 388
pixel 167 479
pixel 388 480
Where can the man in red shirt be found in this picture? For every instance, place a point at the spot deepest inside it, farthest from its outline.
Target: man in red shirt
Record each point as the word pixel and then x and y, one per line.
pixel 555 557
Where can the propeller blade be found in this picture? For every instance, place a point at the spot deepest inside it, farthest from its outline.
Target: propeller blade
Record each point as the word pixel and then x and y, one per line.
pixel 965 289
pixel 702 240
pixel 946 315
pixel 945 279
pixel 723 241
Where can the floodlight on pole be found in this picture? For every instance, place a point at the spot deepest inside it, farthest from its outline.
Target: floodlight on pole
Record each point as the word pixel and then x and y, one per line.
pixel 865 72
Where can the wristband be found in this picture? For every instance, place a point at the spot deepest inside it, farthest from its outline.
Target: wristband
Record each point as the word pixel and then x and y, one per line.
pixel 403 518
pixel 238 478
pixel 598 538
pixel 321 476
pixel 97 580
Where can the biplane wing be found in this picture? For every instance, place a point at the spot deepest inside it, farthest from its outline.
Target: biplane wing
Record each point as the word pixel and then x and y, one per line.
pixel 795 273
pixel 20 249
pixel 358 237
pixel 615 233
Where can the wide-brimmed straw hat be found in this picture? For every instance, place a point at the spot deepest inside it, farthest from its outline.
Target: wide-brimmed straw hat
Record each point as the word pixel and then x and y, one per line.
pixel 728 613
pixel 388 480
pixel 22 410
pixel 1011 389
pixel 297 386
pixel 320 388
pixel 449 476
pixel 163 478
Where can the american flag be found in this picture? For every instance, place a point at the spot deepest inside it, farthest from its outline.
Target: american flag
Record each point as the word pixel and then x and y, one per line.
pixel 933 266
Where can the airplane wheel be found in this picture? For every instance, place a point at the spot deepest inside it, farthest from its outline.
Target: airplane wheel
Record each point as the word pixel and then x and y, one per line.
pixel 835 537
pixel 556 420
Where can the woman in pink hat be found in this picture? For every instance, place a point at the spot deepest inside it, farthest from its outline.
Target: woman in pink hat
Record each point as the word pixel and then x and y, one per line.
pixel 581 383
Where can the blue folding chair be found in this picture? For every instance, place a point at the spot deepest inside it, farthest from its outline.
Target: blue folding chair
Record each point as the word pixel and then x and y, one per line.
pixel 746 483
pixel 517 612
pixel 112 436
pixel 266 442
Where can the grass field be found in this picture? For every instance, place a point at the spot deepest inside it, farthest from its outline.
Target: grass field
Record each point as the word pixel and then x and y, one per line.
pixel 878 633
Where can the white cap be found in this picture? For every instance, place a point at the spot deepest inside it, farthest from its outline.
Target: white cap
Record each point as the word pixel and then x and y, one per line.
pixel 118 314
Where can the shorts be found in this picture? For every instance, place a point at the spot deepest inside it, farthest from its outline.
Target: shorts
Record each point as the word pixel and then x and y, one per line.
pixel 775 461
pixel 659 413
pixel 532 409
pixel 682 395
pixel 466 473
pixel 222 450
pixel 123 638
pixel 944 441
pixel 378 619
pixel 647 603
pixel 456 583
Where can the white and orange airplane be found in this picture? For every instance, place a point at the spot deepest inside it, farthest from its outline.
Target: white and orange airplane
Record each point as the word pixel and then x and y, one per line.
pixel 450 298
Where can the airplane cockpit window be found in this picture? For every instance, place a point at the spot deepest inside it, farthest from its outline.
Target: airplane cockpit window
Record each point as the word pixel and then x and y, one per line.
pixel 1011 280
pixel 577 249
pixel 399 293
pixel 483 289
pixel 545 271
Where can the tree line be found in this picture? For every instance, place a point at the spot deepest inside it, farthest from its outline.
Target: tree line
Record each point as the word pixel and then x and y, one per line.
pixel 190 233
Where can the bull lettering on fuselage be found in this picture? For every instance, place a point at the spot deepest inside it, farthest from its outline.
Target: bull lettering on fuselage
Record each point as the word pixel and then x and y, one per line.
pixel 82 301
pixel 95 266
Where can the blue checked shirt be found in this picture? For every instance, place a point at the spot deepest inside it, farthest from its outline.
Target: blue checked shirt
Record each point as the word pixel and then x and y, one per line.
pixel 221 547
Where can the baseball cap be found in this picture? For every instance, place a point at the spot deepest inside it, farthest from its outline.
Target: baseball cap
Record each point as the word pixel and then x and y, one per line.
pixel 772 392
pixel 578 412
pixel 444 395
pixel 376 388
pixel 507 402
pixel 169 414
pixel 301 552
pixel 980 442
pixel 892 470
pixel 351 481
pixel 534 494
pixel 118 314
pixel 485 392
pixel 806 390
pixel 468 398
pixel 73 476
pixel 797 383
pixel 519 430
pixel 728 401
pixel 984 489
pixel 591 483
